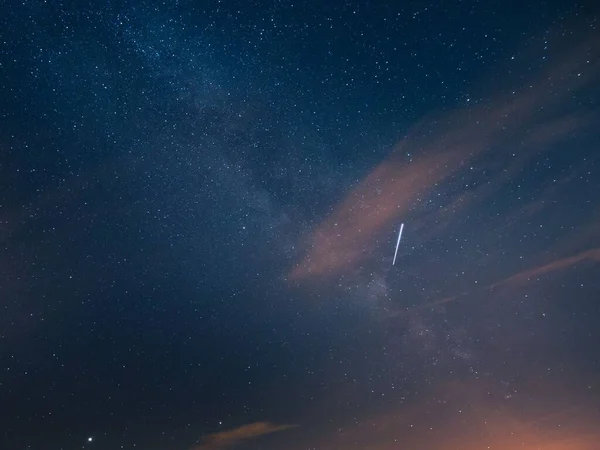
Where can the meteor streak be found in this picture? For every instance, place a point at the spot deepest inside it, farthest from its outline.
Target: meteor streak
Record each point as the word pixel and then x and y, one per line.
pixel 398 243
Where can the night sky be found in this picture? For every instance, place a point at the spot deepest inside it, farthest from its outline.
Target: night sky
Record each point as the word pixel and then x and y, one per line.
pixel 199 207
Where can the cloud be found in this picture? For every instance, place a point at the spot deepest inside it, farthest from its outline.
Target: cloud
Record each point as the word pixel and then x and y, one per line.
pixel 526 275
pixel 591 255
pixel 499 137
pixel 342 239
pixel 235 436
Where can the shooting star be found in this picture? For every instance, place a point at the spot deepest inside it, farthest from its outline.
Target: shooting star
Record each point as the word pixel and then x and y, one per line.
pixel 398 244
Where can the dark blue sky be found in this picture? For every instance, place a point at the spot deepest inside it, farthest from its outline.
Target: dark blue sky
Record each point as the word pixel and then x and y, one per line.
pixel 199 207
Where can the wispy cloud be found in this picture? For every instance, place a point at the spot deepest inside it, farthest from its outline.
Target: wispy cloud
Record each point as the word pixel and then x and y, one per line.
pixel 592 255
pixel 225 439
pixel 513 128
pixel 390 190
pixel 518 279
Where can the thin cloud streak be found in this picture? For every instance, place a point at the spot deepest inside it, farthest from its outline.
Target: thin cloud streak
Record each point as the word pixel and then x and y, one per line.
pixel 559 264
pixel 225 439
pixel 518 279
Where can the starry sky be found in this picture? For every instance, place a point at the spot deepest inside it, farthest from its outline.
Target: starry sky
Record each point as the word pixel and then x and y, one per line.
pixel 199 206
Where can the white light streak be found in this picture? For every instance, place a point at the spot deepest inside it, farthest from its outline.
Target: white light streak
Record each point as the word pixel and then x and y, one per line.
pixel 398 244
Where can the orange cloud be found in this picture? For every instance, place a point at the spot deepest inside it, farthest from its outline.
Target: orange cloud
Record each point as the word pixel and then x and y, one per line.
pixel 391 189
pixel 525 123
pixel 232 437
